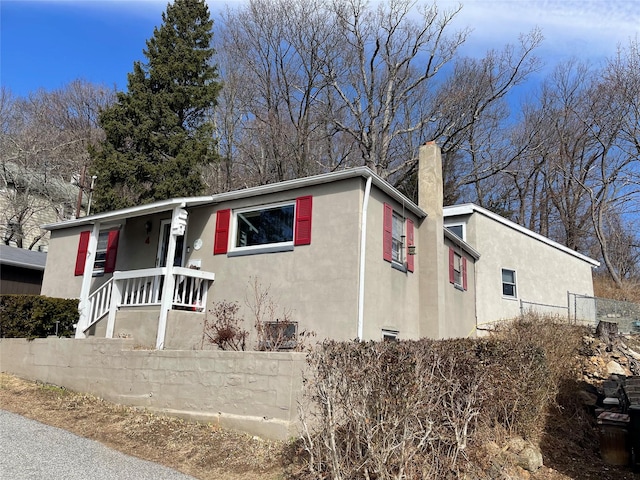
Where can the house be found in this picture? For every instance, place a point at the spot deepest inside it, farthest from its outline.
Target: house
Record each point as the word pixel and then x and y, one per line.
pixel 520 269
pixel 30 197
pixel 346 253
pixel 21 270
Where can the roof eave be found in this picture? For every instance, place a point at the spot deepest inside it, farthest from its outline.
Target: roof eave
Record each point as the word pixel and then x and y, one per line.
pixel 469 208
pixel 165 205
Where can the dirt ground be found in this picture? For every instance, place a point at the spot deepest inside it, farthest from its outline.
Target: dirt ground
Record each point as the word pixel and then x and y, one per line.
pixel 208 452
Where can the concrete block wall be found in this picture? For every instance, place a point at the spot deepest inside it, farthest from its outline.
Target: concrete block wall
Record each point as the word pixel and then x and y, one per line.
pixel 255 392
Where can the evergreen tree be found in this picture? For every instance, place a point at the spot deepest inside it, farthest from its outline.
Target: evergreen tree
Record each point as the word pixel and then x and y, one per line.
pixel 158 135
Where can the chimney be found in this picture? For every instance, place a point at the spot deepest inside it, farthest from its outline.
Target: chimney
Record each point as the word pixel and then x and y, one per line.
pixel 432 256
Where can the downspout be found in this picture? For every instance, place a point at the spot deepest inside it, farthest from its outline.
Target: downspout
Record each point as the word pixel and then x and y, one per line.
pixel 363 244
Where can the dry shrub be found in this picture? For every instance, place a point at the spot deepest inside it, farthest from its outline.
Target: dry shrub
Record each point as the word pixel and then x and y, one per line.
pixel 413 409
pixel 225 328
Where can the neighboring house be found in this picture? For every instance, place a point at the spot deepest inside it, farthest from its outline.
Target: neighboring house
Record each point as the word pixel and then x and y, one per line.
pixel 29 198
pixel 346 253
pixel 520 269
pixel 21 270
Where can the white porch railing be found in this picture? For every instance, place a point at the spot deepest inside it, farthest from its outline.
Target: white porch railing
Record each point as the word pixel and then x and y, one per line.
pixel 136 288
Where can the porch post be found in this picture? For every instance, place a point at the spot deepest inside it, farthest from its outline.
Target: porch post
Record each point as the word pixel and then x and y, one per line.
pixel 178 225
pixel 116 296
pixel 83 305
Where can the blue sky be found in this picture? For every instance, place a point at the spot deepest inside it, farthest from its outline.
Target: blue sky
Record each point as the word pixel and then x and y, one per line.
pixel 48 43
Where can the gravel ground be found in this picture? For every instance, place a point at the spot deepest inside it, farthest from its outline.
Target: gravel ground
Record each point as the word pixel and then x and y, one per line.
pixel 31 450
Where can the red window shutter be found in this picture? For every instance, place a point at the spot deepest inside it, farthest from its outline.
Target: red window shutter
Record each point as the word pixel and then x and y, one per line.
pixel 112 251
pixel 303 220
pixel 221 238
pixel 452 276
pixel 387 233
pixel 410 264
pixel 83 248
pixel 464 273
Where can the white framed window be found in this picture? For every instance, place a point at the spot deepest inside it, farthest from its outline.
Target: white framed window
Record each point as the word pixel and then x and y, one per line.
pixel 457 269
pixel 397 239
pixel 458 229
pixel 101 252
pixel 509 283
pixel 271 225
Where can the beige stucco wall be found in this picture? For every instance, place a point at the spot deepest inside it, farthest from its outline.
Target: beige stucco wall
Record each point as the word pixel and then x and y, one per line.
pixel 460 305
pixel 544 274
pixel 316 283
pixel 59 280
pixel 392 296
pixel 255 392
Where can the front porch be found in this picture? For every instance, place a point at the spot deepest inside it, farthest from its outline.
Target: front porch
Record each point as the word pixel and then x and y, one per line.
pixel 134 265
pixel 139 293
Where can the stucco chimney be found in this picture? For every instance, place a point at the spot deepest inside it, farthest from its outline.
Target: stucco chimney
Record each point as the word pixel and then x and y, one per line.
pixel 431 253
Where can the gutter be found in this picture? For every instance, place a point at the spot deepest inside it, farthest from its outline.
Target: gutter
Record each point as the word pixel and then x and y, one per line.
pixel 363 244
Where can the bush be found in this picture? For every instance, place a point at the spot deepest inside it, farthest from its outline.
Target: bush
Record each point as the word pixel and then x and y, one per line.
pixel 413 409
pixel 36 316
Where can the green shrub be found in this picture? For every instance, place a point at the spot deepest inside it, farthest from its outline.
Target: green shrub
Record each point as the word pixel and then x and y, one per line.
pixel 36 316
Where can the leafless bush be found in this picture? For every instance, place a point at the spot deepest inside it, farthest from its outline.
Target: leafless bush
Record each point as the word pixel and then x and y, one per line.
pixel 426 409
pixel 388 410
pixel 225 329
pixel 274 326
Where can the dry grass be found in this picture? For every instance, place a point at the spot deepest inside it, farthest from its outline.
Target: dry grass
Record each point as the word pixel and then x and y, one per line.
pixel 201 450
pixel 604 287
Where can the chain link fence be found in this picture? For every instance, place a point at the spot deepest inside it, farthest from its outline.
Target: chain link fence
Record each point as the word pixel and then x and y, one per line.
pixel 588 310
pixel 592 310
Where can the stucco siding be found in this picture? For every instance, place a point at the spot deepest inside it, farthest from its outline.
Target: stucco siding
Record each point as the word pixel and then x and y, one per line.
pixel 316 283
pixel 460 305
pixel 544 274
pixel 59 279
pixel 391 296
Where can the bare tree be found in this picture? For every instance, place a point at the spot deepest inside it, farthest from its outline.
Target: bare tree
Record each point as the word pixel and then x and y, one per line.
pixel 44 141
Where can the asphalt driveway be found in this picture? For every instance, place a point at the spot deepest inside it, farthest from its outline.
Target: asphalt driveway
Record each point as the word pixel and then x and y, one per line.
pixel 31 450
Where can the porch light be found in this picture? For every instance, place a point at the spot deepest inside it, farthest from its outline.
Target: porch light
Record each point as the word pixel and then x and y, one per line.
pixel 148 226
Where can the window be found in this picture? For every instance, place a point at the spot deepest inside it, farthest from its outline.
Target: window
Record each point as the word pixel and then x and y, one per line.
pixel 389 335
pixel 253 229
pixel 458 229
pixel 509 283
pixel 457 269
pixel 397 236
pixel 106 251
pixel 264 226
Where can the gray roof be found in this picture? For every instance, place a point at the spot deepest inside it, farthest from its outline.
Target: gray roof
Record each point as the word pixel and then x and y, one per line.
pixel 21 257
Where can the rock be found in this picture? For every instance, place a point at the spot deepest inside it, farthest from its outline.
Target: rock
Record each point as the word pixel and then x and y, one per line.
pixel 530 458
pixel 614 368
pixel 516 444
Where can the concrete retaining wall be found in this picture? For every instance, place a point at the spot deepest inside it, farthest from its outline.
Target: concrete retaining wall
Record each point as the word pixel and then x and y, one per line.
pixel 255 392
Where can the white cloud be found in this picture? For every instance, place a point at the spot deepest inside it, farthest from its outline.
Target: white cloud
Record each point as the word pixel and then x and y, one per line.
pixel 582 28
